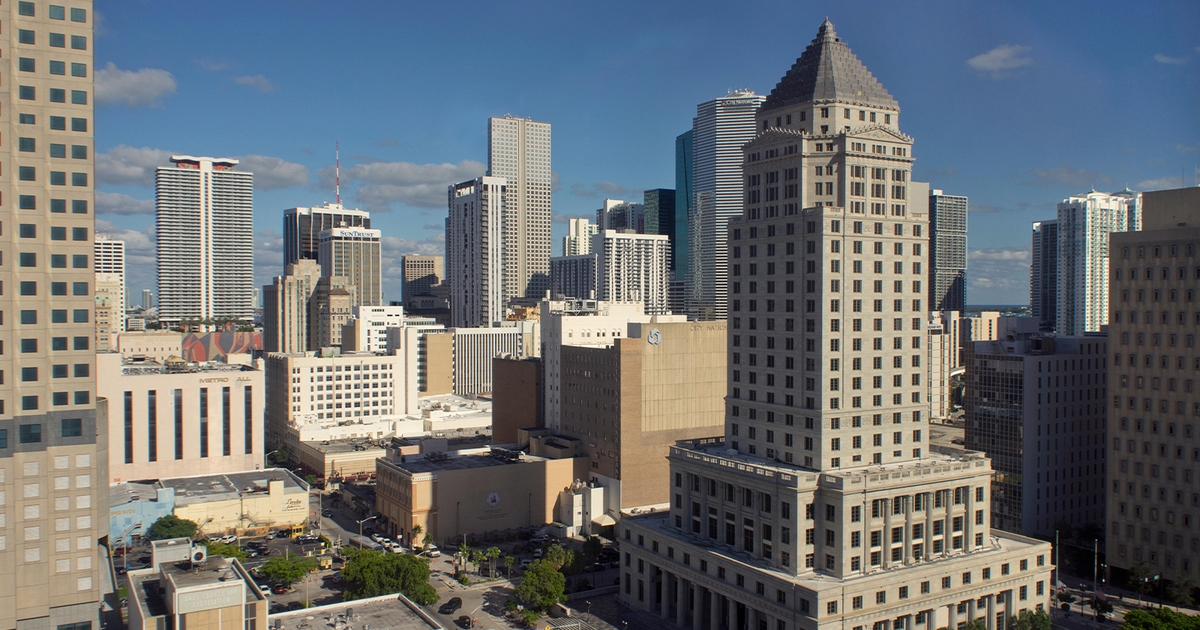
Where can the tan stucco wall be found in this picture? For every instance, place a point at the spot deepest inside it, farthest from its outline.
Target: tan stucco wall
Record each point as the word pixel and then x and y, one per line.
pixel 439 364
pixel 261 511
pixel 517 399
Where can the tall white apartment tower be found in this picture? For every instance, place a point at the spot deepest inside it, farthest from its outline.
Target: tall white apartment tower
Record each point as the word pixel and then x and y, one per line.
pixel 53 432
pixel 632 267
pixel 109 257
pixel 1084 223
pixel 205 240
pixel 823 505
pixel 719 130
pixel 476 255
pixel 578 240
pixel 519 151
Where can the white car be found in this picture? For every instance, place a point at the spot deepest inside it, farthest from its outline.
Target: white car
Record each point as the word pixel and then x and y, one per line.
pixel 264 589
pixel 394 548
pixel 229 539
pixel 433 552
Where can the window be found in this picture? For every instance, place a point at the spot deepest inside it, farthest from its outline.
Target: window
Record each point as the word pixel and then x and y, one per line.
pixel 27 202
pixel 79 42
pixel 25 36
pixel 58 95
pixel 25 8
pixel 29 433
pixel 29 375
pixel 26 173
pixel 79 15
pixel 58 68
pixel 27 119
pixel 28 259
pixel 58 178
pixel 29 346
pixel 58 261
pixel 26 64
pixel 58 123
pixel 79 233
pixel 27 145
pixel 58 40
pixel 78 69
pixel 79 179
pixel 79 261
pixel 28 287
pixel 79 152
pixel 79 206
pixel 56 12
pixel 78 97
pixel 58 150
pixel 79 124
pixel 72 427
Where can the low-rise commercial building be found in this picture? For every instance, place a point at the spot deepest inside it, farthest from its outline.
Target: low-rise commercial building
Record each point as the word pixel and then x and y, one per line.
pixel 470 492
pixel 134 506
pixel 254 501
pixel 174 418
pixel 214 593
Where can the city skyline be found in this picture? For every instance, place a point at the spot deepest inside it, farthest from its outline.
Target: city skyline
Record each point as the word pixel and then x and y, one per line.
pixel 986 101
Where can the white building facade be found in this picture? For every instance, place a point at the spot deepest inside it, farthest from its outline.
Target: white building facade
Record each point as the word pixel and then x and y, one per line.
pixel 633 267
pixel 1084 223
pixel 578 240
pixel 476 256
pixel 574 276
pixel 109 258
pixel 205 240
pixel 519 151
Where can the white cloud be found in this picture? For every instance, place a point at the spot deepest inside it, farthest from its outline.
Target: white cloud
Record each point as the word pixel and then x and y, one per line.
pixel 130 165
pixel 132 88
pixel 608 190
pixel 268 256
pixel 999 253
pixel 998 275
pixel 119 203
pixel 1067 175
pixel 257 81
pixel 1001 60
pixel 215 65
pixel 419 185
pixel 1174 61
pixel 141 256
pixel 1183 148
pixel 272 172
pixel 1161 183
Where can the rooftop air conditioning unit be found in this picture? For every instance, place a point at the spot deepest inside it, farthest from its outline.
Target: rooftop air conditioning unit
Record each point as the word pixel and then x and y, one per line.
pixel 199 554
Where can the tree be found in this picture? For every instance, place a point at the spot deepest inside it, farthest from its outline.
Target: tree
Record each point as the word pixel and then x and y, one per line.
pixel 287 570
pixel 592 547
pixel 171 526
pixel 1180 592
pixel 426 541
pixel 509 561
pixel 1067 599
pixel 1159 619
pixel 280 456
pixel 542 586
pixel 221 549
pixel 478 557
pixel 492 554
pixel 310 479
pixel 370 573
pixel 1030 621
pixel 415 536
pixel 464 555
pixel 1140 580
pixel 977 624
pixel 558 557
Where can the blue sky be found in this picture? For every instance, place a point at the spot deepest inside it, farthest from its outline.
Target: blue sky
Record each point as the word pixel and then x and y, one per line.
pixel 1015 105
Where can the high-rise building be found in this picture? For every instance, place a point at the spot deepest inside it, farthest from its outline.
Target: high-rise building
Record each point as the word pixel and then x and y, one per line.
pixel 659 208
pixel 616 214
pixel 719 130
pixel 205 239
pixel 574 277
pixel 421 274
pixel 110 319
pixel 354 254
pixel 302 228
pixel 286 305
pixel 1043 274
pixel 53 435
pixel 147 299
pixel 826 428
pixel 1154 438
pixel 476 256
pixel 947 252
pixel 683 200
pixel 578 240
pixel 1084 223
pixel 632 267
pixel 109 257
pixel 519 151
pixel 330 308
pixel 1036 405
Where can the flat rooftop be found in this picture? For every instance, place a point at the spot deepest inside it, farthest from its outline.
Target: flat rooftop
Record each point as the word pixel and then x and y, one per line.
pixel 136 367
pixel 464 460
pixel 204 488
pixel 379 613
pixel 459 403
pixel 348 445
pixel 145 584
pixel 123 493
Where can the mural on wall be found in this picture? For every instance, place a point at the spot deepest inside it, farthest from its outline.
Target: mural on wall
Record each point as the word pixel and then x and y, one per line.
pixel 201 347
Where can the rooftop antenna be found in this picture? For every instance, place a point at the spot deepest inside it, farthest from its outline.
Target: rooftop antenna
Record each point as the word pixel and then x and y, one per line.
pixel 337 173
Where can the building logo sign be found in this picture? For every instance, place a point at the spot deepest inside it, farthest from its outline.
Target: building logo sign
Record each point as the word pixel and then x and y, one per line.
pixel 493 499
pixel 655 337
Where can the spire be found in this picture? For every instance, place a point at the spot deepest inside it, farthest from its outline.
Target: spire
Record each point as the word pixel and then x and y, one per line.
pixel 829 71
pixel 337 173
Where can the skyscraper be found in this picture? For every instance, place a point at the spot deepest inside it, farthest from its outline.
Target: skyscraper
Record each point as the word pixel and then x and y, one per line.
pixel 1043 274
pixel 633 267
pixel 519 151
pixel 302 228
pixel 421 274
pixel 826 430
pixel 1084 223
pixel 109 258
pixel 476 255
pixel 205 240
pixel 147 299
pixel 659 205
pixel 617 214
pixel 683 199
pixel 53 436
pixel 947 252
pixel 354 253
pixel 578 240
pixel 719 130
pixel 286 305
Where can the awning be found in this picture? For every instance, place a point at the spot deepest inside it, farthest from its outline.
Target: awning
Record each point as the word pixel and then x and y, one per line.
pixel 604 520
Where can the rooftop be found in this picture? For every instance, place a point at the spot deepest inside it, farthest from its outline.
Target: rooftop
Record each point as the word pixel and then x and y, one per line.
pixel 378 613
pixel 203 488
pixel 147 586
pixel 829 71
pixel 176 365
pixel 122 493
pixel 479 458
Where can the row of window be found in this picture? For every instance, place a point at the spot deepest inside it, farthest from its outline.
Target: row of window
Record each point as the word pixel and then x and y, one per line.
pixel 57 206
pixel 835 226
pixel 54 40
pixel 57 95
pixel 57 178
pixel 32 433
pixel 57 150
pixel 53 11
pixel 57 68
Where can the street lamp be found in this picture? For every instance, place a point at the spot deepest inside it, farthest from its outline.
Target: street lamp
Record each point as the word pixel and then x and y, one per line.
pixel 369 518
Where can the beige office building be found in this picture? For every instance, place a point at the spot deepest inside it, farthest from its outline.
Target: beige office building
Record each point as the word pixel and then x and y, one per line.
pixel 53 441
pixel 1154 413
pixel 823 505
pixel 286 308
pixel 354 254
pixel 215 594
pixel 629 401
pixel 110 318
pixel 253 501
pixel 170 418
pixel 421 274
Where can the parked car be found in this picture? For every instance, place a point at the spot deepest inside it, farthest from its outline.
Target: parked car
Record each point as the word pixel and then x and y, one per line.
pixel 279 589
pixel 464 622
pixel 451 606
pixel 433 552
pixel 540 538
pixel 327 512
pixel 537 553
pixel 264 589
pixel 229 539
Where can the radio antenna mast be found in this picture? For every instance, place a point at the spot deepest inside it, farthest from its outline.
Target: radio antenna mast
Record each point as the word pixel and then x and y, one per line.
pixel 337 173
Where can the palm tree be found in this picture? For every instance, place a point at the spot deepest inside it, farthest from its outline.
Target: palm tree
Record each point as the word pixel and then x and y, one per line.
pixel 464 554
pixel 492 553
pixel 509 561
pixel 415 536
pixel 478 557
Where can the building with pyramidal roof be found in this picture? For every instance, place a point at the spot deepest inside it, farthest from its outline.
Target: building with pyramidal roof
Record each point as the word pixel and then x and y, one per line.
pixel 824 505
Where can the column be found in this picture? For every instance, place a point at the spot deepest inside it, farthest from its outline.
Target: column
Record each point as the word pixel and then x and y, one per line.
pixel 991 612
pixel 971 610
pixel 908 518
pixel 969 520
pixel 953 624
pixel 731 614
pixel 887 533
pixel 664 607
pixel 927 499
pixel 697 607
pixel 1009 606
pixel 714 616
pixel 678 593
pixel 948 525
